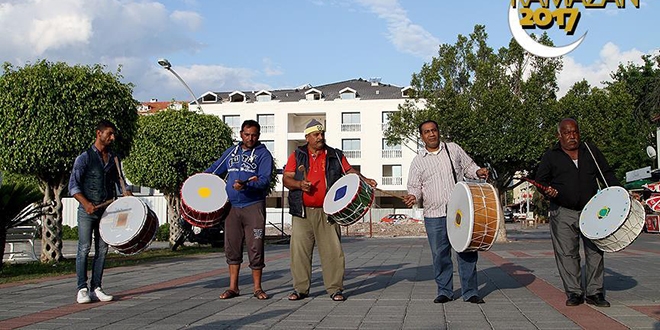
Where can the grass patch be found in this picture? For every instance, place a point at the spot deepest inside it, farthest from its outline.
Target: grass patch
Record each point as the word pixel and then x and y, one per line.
pixel 35 270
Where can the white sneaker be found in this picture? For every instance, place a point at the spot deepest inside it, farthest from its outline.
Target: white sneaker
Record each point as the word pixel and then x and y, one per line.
pixel 83 296
pixel 100 295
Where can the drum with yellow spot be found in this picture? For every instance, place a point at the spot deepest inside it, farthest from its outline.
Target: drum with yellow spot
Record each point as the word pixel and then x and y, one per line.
pixel 203 200
pixel 473 216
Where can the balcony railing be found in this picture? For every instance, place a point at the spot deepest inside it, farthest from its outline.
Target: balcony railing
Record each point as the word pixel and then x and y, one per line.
pixel 392 180
pixel 392 153
pixel 351 127
pixel 353 153
pixel 267 128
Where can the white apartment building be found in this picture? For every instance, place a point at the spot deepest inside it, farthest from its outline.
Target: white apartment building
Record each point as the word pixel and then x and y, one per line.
pixel 354 112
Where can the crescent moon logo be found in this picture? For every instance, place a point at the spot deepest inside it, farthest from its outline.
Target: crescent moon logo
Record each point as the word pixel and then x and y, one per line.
pixel 531 45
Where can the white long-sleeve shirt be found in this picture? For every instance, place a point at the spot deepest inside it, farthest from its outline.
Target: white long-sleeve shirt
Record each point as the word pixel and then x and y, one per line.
pixel 430 177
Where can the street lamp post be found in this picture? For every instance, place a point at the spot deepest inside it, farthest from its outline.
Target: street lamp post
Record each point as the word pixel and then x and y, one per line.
pixel 168 66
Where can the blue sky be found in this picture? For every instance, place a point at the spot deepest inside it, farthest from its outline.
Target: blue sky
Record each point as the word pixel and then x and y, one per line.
pixel 258 44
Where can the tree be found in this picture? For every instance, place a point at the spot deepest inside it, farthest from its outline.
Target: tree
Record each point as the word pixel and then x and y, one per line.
pixel 170 146
pixel 493 104
pixel 49 113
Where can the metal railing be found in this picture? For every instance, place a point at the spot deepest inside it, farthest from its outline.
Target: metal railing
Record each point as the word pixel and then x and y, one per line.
pixel 353 153
pixel 392 153
pixel 351 127
pixel 392 180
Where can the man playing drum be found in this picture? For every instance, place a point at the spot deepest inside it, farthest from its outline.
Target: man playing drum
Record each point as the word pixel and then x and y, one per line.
pixel 433 174
pixel 249 166
pixel 94 180
pixel 310 171
pixel 569 170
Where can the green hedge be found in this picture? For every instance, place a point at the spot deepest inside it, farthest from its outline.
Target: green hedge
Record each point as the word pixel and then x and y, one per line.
pixel 71 234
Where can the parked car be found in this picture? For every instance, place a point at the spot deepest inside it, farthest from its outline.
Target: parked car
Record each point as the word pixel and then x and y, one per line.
pixel 394 218
pixel 508 215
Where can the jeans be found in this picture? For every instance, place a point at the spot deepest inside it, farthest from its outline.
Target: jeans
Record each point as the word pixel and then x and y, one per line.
pixel 443 268
pixel 88 224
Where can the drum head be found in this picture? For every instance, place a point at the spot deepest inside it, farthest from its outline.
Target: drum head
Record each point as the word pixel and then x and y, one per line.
pixel 122 220
pixel 341 193
pixel 605 213
pixel 460 211
pixel 204 192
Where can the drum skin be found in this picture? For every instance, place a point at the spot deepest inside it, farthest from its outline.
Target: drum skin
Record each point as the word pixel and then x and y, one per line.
pixel 348 200
pixel 128 225
pixel 473 216
pixel 203 200
pixel 612 219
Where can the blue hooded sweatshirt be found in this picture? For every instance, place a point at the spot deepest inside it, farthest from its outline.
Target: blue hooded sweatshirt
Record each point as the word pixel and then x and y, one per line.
pixel 242 164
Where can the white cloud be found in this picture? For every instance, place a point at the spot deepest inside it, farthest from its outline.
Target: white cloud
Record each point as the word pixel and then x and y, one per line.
pixel 404 35
pixel 599 71
pixel 271 69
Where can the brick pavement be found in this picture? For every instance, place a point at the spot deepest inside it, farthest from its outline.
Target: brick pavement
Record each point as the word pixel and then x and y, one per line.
pixel 388 284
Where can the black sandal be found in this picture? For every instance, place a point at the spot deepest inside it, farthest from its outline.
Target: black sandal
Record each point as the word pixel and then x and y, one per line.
pixel 338 296
pixel 295 295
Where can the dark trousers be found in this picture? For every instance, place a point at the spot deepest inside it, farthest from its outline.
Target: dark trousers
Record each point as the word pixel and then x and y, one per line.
pixel 246 224
pixel 566 235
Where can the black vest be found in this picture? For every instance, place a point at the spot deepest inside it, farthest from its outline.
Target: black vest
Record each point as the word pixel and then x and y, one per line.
pixel 333 171
pixel 97 185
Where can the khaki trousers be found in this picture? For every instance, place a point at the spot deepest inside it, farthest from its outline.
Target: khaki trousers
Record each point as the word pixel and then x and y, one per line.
pixel 305 232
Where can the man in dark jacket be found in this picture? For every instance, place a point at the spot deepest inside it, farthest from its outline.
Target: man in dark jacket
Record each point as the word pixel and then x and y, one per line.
pixel 310 171
pixel 571 170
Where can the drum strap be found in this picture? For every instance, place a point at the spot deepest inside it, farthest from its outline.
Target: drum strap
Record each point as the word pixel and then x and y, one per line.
pixel 597 166
pixel 453 171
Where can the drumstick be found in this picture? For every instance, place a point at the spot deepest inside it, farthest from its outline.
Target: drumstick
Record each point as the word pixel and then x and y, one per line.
pixel 104 204
pixel 535 184
pixel 243 182
pixel 302 169
pixel 121 177
pixel 390 194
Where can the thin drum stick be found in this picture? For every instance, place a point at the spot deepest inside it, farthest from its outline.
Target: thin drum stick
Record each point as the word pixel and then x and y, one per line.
pixel 121 177
pixel 389 193
pixel 104 204
pixel 302 169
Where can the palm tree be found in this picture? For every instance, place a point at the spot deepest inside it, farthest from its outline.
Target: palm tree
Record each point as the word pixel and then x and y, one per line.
pixel 19 203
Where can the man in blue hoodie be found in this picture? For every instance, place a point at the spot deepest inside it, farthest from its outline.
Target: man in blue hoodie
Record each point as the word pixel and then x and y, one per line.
pixel 248 166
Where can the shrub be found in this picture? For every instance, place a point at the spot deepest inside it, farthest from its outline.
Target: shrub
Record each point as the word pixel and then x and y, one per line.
pixel 69 233
pixel 163 233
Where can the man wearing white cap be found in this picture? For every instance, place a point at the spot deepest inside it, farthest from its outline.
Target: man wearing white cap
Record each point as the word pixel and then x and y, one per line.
pixel 310 171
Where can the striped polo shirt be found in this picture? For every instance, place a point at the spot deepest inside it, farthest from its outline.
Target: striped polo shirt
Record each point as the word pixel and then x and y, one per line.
pixel 430 177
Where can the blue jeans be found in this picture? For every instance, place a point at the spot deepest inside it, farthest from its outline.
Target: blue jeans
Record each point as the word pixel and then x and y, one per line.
pixel 88 224
pixel 443 268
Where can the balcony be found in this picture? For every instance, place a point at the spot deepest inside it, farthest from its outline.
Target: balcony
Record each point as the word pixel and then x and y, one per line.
pixel 392 180
pixel 351 127
pixel 267 128
pixel 392 153
pixel 353 153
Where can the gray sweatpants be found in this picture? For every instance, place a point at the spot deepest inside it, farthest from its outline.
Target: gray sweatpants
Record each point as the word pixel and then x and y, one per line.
pixel 566 235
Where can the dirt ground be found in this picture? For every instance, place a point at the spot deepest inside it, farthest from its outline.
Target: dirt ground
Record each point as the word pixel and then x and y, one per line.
pixel 405 228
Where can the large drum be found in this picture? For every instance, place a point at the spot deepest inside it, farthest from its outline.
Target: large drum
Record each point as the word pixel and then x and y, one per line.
pixel 128 225
pixel 612 219
pixel 348 200
pixel 203 200
pixel 473 216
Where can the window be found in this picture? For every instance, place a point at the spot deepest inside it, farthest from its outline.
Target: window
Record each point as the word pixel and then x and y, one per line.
pixel 347 94
pixel 313 95
pixel 237 97
pixel 351 148
pixel 392 175
pixel 270 145
pixel 263 98
pixel 391 151
pixel 234 122
pixel 350 122
pixel 267 123
pixel 386 119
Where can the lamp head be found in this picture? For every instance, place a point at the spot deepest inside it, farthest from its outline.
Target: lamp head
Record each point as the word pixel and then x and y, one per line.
pixel 164 63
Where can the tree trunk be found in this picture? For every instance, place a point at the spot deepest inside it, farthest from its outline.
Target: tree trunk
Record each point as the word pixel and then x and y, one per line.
pixel 501 231
pixel 51 223
pixel 173 215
